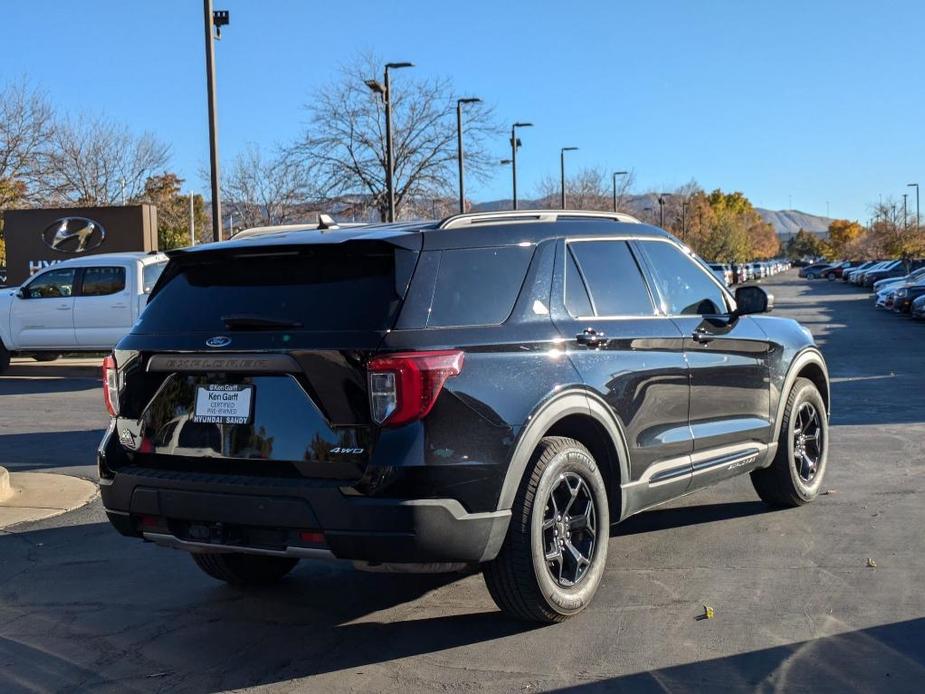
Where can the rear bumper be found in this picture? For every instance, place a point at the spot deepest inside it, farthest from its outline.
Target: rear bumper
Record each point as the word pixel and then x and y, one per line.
pixel 203 512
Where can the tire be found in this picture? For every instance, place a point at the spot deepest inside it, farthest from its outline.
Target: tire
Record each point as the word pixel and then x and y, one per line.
pixel 4 358
pixel 792 480
pixel 46 356
pixel 830 276
pixel 520 579
pixel 245 569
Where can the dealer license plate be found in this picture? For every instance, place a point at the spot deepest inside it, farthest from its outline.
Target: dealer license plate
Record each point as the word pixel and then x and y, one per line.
pixel 224 404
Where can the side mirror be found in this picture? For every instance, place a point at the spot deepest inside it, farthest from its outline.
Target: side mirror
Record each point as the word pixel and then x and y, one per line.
pixel 752 299
pixel 21 293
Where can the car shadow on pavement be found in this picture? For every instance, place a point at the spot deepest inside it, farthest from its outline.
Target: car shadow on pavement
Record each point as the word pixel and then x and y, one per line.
pixel 886 658
pixel 83 608
pixel 683 516
pixel 53 449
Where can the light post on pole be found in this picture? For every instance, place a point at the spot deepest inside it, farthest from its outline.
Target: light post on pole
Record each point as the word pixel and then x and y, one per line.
pixel 562 152
pixel 192 222
pixel 385 91
pixel 917 218
pixel 615 174
pixel 905 212
pixel 214 21
pixel 515 144
pixel 661 208
pixel 459 147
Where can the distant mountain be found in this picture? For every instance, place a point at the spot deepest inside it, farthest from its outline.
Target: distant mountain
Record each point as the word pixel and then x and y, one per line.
pixel 785 222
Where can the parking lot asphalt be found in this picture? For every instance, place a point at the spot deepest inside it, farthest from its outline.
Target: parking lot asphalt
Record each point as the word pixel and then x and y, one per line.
pixel 798 601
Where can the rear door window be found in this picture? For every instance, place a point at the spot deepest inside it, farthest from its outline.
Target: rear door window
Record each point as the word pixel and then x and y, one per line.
pixel 102 281
pixel 318 288
pixel 478 286
pixel 612 277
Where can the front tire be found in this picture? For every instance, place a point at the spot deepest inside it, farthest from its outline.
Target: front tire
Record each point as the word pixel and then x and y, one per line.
pixel 46 356
pixel 795 476
pixel 4 358
pixel 245 569
pixel 553 557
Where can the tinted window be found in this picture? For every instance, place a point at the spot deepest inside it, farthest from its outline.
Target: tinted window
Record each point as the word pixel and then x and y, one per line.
pixel 613 278
pixel 683 283
pixel 322 288
pixel 577 301
pixel 53 284
pixel 478 286
pixel 100 281
pixel 150 273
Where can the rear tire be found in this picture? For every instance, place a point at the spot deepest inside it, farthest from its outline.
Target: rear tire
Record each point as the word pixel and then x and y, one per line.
pixel 46 356
pixel 795 476
pixel 245 569
pixel 538 576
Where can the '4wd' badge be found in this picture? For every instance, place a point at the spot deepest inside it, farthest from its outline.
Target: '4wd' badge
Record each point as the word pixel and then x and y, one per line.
pixel 218 341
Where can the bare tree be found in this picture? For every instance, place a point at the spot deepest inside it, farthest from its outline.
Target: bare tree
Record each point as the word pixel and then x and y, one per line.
pixel 589 189
pixel 345 138
pixel 93 161
pixel 26 124
pixel 262 191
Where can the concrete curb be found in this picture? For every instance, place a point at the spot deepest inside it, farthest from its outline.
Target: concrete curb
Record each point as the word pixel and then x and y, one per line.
pixel 38 495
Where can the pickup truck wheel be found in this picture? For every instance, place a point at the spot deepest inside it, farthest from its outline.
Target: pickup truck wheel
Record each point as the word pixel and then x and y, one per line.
pixel 245 569
pixel 795 476
pixel 46 356
pixel 4 358
pixel 554 554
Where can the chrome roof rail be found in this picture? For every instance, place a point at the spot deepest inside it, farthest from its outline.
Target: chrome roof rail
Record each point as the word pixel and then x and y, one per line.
pixel 529 216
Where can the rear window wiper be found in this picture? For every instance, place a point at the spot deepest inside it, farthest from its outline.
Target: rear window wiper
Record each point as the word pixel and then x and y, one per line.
pixel 250 321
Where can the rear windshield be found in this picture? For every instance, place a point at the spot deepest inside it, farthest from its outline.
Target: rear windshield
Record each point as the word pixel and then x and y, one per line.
pixel 322 288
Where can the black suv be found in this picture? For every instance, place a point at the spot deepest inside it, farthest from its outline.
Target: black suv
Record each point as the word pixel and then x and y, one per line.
pixel 490 389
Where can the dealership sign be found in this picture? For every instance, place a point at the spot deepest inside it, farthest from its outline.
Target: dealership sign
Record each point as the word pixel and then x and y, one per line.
pixel 36 239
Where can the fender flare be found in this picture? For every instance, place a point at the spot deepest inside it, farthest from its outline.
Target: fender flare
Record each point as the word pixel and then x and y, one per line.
pixel 810 355
pixel 569 402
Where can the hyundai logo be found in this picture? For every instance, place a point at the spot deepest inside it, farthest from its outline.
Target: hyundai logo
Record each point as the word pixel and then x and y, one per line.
pixel 218 341
pixel 74 235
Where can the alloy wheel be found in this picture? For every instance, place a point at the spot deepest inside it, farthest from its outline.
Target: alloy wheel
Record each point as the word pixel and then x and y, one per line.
pixel 807 442
pixel 569 529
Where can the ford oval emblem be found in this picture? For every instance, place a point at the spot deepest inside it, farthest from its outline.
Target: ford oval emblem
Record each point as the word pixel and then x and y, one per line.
pixel 218 341
pixel 74 235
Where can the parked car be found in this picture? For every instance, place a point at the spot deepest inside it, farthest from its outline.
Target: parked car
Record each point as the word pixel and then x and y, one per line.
pixel 814 272
pixel 898 268
pixel 723 274
pixel 902 297
pixel 477 390
pixel 848 275
pixel 82 305
pixel 917 309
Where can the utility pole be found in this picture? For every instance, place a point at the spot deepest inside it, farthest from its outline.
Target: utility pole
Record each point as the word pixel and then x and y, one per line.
pixel 213 20
pixel 192 222
pixel 562 171
pixel 661 208
pixel 917 218
pixel 515 144
pixel 385 91
pixel 459 148
pixel 615 174
pixel 905 213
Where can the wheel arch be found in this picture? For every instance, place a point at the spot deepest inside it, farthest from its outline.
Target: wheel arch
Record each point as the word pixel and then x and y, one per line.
pixel 584 417
pixel 808 364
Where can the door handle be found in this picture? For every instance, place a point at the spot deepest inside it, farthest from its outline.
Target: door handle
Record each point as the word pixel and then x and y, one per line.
pixel 64 308
pixel 702 336
pixel 119 306
pixel 591 337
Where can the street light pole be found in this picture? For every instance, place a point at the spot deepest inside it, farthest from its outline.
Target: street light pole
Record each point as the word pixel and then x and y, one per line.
pixel 515 143
pixel 562 152
pixel 684 206
pixel 459 148
pixel 917 218
pixel 192 222
pixel 615 174
pixel 213 21
pixel 905 213
pixel 661 208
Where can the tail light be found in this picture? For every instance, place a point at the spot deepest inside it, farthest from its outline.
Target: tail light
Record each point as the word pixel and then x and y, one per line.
pixel 404 387
pixel 111 385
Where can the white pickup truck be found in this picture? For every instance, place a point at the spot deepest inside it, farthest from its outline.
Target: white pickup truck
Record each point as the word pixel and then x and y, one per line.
pixel 83 305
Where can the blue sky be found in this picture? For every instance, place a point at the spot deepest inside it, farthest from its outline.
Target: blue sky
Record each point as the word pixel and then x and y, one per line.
pixel 782 99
